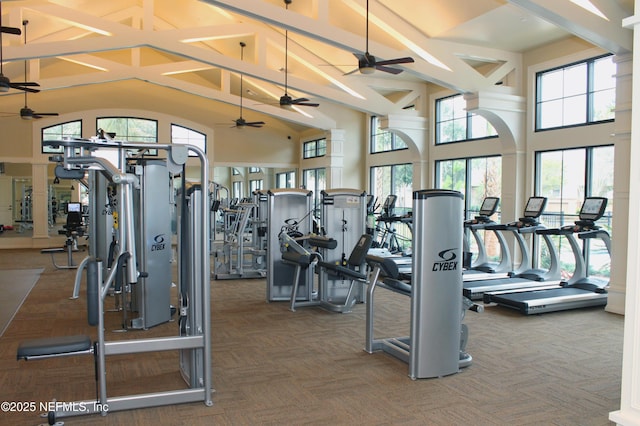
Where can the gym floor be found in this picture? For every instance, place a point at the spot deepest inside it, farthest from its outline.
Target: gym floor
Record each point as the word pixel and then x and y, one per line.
pixel 273 366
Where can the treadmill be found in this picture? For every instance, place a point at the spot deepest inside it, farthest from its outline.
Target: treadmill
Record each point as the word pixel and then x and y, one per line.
pixel 524 276
pixel 581 290
pixel 481 268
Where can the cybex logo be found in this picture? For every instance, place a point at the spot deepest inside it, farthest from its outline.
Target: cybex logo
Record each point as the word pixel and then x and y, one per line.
pixel 448 262
pixel 158 243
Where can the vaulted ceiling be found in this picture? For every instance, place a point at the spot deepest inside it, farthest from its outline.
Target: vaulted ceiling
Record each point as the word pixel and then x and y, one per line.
pixel 193 47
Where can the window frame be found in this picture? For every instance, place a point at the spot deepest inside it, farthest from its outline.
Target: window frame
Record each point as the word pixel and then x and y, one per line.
pixel 190 131
pixel 397 143
pixel 319 148
pixel 289 179
pixel 469 211
pixel 587 184
pixel 589 112
pixel 59 150
pixel 468 120
pixel 151 152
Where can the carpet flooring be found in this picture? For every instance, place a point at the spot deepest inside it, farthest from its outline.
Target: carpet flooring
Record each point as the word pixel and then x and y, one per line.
pixel 15 285
pixel 272 366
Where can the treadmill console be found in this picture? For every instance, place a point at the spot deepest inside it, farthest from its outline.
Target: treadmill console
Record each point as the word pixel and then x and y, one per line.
pixel 592 209
pixel 488 208
pixel 532 211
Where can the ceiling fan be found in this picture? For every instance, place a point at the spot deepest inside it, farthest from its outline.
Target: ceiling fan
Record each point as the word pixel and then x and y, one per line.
pixel 241 122
pixel 367 63
pixel 27 113
pixel 5 83
pixel 286 100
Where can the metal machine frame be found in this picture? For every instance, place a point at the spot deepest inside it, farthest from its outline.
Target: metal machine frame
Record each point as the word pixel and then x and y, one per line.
pixel 194 339
pixel 433 348
pixel 286 206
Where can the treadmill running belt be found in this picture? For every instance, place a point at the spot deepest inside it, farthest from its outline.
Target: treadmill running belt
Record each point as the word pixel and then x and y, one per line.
pixel 549 300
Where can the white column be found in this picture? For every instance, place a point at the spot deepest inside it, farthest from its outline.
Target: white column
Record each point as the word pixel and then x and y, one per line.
pixel 629 413
pixel 622 164
pixel 414 130
pixel 335 155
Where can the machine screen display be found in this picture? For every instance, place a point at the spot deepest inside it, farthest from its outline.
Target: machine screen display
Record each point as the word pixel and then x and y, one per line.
pixel 593 208
pixel 74 207
pixel 489 206
pixel 535 206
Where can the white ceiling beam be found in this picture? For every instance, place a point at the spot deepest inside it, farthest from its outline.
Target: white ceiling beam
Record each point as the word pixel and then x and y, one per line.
pixel 607 34
pixel 460 76
pixel 76 18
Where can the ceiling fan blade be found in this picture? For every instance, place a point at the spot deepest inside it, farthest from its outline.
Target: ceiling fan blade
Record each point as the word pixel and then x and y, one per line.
pixel 26 89
pixel 352 72
pixel 388 69
pixel 405 60
pixel 25 83
pixel 304 102
pixel 10 30
pixel 254 123
pixel 45 114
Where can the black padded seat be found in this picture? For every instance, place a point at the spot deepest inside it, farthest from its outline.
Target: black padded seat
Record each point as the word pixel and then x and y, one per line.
pixel 356 259
pixel 54 346
pixel 295 258
pixel 391 276
pixel 342 271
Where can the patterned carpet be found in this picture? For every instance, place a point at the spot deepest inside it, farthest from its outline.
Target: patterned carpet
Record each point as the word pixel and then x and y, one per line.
pixel 15 285
pixel 274 367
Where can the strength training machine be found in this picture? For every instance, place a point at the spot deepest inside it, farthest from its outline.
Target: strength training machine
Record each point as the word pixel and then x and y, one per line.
pixel 436 345
pixel 193 339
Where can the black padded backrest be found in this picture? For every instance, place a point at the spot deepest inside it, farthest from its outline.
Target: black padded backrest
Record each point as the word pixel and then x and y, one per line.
pixel 388 268
pixel 74 220
pixel 359 252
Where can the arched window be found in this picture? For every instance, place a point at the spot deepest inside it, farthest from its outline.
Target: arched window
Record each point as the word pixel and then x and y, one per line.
pixel 70 129
pixel 184 135
pixel 131 129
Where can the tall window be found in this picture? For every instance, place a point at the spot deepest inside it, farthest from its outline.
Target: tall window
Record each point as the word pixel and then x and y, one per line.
pixel 476 178
pixel 315 180
pixel 254 169
pixel 455 124
pixel 286 180
pixel 395 180
pixel 384 140
pixel 316 148
pixel 254 185
pixel 566 177
pixel 131 129
pixel 184 135
pixel 71 129
pixel 236 189
pixel 576 94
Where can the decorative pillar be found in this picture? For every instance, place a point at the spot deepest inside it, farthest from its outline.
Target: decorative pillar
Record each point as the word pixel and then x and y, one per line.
pixel 506 113
pixel 335 156
pixel 414 131
pixel 622 164
pixel 629 413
